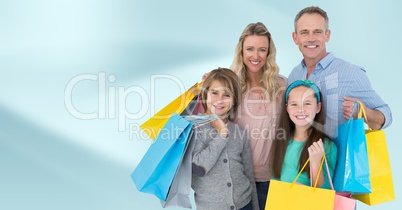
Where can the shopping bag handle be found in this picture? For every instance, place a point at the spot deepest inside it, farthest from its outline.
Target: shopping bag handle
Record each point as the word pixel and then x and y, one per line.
pixel 318 174
pixel 195 89
pixel 328 173
pixel 199 84
pixel 355 105
pixel 200 120
pixel 362 113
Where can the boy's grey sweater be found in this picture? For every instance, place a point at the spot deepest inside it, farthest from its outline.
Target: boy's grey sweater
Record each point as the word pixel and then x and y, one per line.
pixel 223 175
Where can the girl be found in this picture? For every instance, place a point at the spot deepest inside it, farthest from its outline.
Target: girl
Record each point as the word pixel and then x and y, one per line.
pixel 222 162
pixel 303 137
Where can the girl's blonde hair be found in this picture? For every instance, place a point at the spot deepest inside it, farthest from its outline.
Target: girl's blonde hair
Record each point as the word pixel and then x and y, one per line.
pixel 269 80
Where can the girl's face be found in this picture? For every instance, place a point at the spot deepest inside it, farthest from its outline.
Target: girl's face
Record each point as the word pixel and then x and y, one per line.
pixel 302 106
pixel 255 52
pixel 219 99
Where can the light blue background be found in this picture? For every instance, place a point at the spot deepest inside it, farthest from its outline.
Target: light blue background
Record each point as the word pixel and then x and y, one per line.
pixel 50 159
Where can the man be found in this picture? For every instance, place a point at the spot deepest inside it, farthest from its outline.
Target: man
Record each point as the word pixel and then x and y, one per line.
pixel 341 83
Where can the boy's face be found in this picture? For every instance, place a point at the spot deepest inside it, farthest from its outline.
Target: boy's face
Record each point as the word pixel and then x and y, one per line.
pixel 219 99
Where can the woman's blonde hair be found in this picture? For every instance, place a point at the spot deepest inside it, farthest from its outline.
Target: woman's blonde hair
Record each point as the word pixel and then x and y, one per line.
pixel 269 80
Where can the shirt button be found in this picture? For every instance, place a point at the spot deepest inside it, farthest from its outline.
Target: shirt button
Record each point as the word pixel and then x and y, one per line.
pixel 232 207
pixel 229 184
pixel 225 160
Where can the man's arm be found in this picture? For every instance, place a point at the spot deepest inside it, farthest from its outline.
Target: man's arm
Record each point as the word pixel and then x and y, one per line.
pixel 375 118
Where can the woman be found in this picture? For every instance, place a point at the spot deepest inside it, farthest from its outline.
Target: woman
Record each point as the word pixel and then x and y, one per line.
pixel 262 91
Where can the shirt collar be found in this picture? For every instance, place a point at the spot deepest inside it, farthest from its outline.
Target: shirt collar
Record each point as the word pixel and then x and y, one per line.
pixel 323 63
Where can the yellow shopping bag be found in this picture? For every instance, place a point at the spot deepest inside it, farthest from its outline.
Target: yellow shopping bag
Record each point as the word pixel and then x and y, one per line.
pixel 380 169
pixel 154 125
pixel 283 195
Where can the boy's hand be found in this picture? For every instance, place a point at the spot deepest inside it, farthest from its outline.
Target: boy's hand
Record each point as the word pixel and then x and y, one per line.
pixel 220 127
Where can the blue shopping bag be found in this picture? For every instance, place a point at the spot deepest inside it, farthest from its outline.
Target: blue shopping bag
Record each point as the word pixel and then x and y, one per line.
pixel 178 195
pixel 154 174
pixel 352 172
pixel 179 191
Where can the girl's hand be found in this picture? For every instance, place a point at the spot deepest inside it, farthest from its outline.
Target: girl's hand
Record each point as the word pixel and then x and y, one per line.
pixel 220 127
pixel 315 152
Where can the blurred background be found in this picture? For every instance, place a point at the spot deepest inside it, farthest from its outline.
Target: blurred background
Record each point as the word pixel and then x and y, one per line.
pixel 79 76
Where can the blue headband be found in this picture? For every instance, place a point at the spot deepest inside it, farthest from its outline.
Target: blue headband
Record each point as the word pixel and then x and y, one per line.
pixel 305 83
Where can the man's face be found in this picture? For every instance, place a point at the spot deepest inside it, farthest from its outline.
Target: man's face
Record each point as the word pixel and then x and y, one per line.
pixel 311 36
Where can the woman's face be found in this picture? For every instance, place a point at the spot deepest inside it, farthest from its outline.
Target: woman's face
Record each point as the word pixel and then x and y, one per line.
pixel 255 52
pixel 219 100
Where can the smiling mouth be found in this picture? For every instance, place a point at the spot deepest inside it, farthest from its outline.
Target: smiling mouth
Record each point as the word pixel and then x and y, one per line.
pixel 301 117
pixel 311 46
pixel 255 62
pixel 218 107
